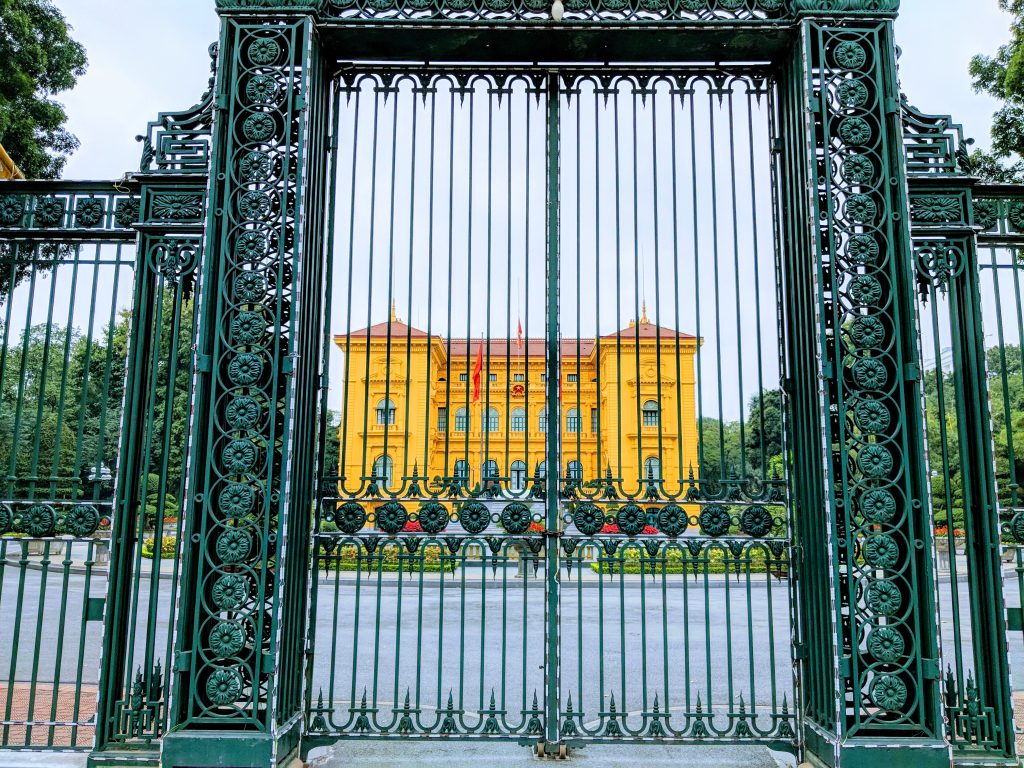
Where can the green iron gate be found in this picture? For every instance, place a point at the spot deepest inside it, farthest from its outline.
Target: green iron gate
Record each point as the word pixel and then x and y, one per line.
pixel 704 514
pixel 619 576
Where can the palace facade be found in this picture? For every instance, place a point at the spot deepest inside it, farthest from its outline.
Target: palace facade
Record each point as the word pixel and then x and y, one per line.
pixel 627 403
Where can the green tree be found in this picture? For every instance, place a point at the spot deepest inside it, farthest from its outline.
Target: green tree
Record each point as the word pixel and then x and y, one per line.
pixel 1002 76
pixel 38 59
pixel 763 430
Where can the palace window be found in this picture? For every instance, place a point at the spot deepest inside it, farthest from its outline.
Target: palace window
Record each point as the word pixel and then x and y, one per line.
pixel 442 419
pixel 518 420
pixel 575 471
pixel 462 470
pixel 490 470
pixel 542 470
pixel 651 413
pixel 383 469
pixel 572 378
pixel 385 412
pixel 542 422
pixel 518 476
pixel 595 419
pixel 652 469
pixel 492 377
pixel 519 377
pixel 492 420
pixel 463 377
pixel 572 421
pixel 462 420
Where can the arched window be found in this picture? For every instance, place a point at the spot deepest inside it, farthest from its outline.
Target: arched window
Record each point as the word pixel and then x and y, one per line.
pixel 383 469
pixel 575 471
pixel 385 412
pixel 492 420
pixel 652 469
pixel 652 413
pixel 542 470
pixel 517 476
pixel 542 422
pixel 572 421
pixel 462 420
pixel 518 420
pixel 462 470
pixel 490 469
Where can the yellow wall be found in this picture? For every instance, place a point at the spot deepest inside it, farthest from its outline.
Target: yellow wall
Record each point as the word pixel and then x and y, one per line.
pixel 8 170
pixel 616 374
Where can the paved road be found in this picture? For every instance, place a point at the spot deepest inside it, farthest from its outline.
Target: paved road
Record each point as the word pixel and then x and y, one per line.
pixel 696 639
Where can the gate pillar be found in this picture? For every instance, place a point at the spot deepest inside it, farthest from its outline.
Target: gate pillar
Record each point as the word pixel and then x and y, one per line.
pixel 237 677
pixel 867 638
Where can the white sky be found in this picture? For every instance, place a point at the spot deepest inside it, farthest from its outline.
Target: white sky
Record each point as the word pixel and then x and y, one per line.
pixel 148 56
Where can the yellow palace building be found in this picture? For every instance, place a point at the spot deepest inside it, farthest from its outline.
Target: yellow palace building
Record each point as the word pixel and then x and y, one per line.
pixel 627 403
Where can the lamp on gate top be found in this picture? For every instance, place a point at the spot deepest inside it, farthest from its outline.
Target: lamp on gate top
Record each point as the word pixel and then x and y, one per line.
pixel 557 10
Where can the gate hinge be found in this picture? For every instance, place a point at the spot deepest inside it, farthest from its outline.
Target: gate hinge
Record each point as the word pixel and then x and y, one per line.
pixel 221 102
pixel 911 372
pixel 800 652
pixel 892 107
pixel 845 667
pixel 182 661
pixel 94 608
pixel 1015 619
pixel 931 669
pixel 815 103
pixel 288 364
pixel 300 103
pixel 204 364
pixel 828 371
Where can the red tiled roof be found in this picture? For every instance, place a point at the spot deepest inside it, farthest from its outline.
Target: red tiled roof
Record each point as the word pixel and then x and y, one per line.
pixel 500 348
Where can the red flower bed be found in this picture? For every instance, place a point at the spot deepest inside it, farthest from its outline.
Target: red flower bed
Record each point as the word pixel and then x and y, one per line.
pixel 413 526
pixel 613 528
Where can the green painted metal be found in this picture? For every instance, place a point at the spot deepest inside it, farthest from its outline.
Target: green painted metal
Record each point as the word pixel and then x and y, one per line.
pixel 873 553
pixel 287 637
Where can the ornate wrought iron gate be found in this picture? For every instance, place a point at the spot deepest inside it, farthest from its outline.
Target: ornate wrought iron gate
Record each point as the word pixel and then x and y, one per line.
pixel 535 526
pixel 701 492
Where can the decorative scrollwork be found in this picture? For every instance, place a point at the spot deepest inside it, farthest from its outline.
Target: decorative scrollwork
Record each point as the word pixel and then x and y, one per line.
pixel 878 505
pixel 392 517
pixel 889 692
pixel 234 545
pixel 673 520
pixel 884 598
pixel 875 460
pixel 516 518
pixel 433 517
pixel 243 412
pixel 350 517
pixel 227 638
pixel 756 521
pixel 631 519
pixel 588 518
pixel 82 520
pixel 239 456
pixel 474 517
pixel 881 551
pixel 12 208
pixel 224 686
pixel 49 211
pixel 230 592
pixel 715 520
pixel 886 644
pixel 38 520
pixel 177 206
pixel 89 212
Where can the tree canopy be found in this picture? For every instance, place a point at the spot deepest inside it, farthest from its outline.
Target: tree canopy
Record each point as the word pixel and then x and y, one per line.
pixel 38 58
pixel 1002 76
